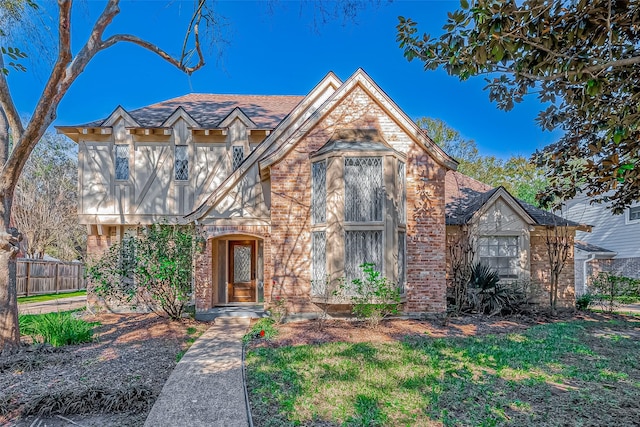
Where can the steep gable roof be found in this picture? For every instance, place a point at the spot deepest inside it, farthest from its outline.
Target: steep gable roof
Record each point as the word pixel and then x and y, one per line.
pixel 465 196
pixel 302 111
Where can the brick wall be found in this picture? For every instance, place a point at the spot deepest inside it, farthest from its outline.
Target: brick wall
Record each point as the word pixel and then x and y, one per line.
pixel 290 210
pixel 540 270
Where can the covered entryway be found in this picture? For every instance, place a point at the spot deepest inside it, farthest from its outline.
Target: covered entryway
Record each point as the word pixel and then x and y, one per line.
pixel 237 273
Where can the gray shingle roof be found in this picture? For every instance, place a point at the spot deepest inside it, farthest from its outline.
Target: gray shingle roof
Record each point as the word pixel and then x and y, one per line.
pixel 465 196
pixel 266 111
pixel 588 247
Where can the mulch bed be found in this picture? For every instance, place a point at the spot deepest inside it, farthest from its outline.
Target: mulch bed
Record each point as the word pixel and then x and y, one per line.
pixel 113 381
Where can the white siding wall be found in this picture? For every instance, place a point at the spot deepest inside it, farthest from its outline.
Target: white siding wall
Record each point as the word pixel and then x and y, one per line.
pixel 612 232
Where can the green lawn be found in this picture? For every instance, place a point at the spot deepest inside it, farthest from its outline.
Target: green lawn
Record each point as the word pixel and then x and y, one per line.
pixel 572 373
pixel 49 297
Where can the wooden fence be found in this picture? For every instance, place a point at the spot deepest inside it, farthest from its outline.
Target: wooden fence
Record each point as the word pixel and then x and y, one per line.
pixel 36 277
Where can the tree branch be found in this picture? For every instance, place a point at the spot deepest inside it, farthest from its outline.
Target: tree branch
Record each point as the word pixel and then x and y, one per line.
pixel 155 49
pixel 9 108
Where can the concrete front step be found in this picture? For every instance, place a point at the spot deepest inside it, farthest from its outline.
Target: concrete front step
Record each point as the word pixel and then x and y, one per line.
pixel 240 311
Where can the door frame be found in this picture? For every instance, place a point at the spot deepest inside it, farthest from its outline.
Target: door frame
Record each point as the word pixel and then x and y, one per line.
pixel 230 275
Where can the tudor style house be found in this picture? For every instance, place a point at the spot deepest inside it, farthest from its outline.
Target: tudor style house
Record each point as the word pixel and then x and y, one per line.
pixel 293 193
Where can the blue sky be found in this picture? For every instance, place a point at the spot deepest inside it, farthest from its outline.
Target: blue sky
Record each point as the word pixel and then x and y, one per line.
pixel 274 48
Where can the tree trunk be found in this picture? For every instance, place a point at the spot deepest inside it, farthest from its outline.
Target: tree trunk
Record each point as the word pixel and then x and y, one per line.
pixel 9 238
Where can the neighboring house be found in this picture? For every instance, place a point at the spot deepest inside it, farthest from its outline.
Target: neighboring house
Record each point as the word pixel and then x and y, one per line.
pixel 292 192
pixel 613 244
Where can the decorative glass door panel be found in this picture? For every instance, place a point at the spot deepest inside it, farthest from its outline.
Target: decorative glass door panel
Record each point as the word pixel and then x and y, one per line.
pixel 242 260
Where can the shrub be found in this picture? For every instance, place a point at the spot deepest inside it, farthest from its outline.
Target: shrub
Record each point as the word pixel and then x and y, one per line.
pixel 278 310
pixel 57 329
pixel 262 329
pixel 154 266
pixel 609 288
pixel 584 301
pixel 487 295
pixel 373 298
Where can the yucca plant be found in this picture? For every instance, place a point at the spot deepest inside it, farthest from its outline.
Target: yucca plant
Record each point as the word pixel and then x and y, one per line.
pixel 485 293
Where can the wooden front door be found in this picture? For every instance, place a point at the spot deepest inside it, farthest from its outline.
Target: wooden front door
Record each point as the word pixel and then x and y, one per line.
pixel 242 271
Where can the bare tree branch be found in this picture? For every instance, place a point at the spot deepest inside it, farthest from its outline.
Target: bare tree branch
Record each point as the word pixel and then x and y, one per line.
pixel 9 108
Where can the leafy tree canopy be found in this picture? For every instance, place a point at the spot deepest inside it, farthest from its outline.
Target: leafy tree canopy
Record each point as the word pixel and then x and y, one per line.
pixel 520 177
pixel 580 58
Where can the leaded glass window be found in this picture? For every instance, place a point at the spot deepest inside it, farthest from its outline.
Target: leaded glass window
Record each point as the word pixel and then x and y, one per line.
pixel 363 193
pixel 318 263
pixel 319 192
pixel 361 247
pixel 122 162
pixel 242 263
pixel 181 163
pixel 501 253
pixel 238 156
pixel 402 193
pixel 402 260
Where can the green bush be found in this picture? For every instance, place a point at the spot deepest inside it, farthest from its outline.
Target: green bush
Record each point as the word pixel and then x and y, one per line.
pixel 262 329
pixel 373 298
pixel 57 329
pixel 584 301
pixel 608 289
pixel 153 267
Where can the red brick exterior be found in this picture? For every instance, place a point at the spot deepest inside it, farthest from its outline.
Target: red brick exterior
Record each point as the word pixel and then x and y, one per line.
pixel 426 234
pixel 290 210
pixel 540 270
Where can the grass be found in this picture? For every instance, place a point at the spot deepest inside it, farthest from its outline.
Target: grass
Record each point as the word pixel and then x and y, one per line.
pixel 586 372
pixel 57 329
pixel 50 297
pixel 193 335
pixel 263 329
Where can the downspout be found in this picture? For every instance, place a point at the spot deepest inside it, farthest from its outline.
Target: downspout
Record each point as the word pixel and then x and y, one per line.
pixel 591 257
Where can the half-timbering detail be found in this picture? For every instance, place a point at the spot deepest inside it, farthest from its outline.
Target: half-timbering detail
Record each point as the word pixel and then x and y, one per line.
pixel 291 194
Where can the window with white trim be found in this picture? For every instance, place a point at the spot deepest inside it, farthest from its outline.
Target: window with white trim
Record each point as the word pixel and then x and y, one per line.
pixel 501 253
pixel 181 167
pixel 122 162
pixel 634 213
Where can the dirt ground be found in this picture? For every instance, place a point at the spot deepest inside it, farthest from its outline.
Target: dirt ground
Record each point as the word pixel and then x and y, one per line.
pixel 115 380
pixel 308 332
pixel 111 382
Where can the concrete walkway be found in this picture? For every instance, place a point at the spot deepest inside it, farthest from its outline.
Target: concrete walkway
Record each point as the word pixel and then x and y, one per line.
pixel 205 388
pixel 52 306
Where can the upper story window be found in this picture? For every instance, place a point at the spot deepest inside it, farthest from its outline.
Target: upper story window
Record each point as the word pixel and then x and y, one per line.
pixel 363 192
pixel 122 162
pixel 319 192
pixel 634 213
pixel 238 156
pixel 501 253
pixel 181 167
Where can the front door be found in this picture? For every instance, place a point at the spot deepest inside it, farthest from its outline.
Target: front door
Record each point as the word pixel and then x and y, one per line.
pixel 242 271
